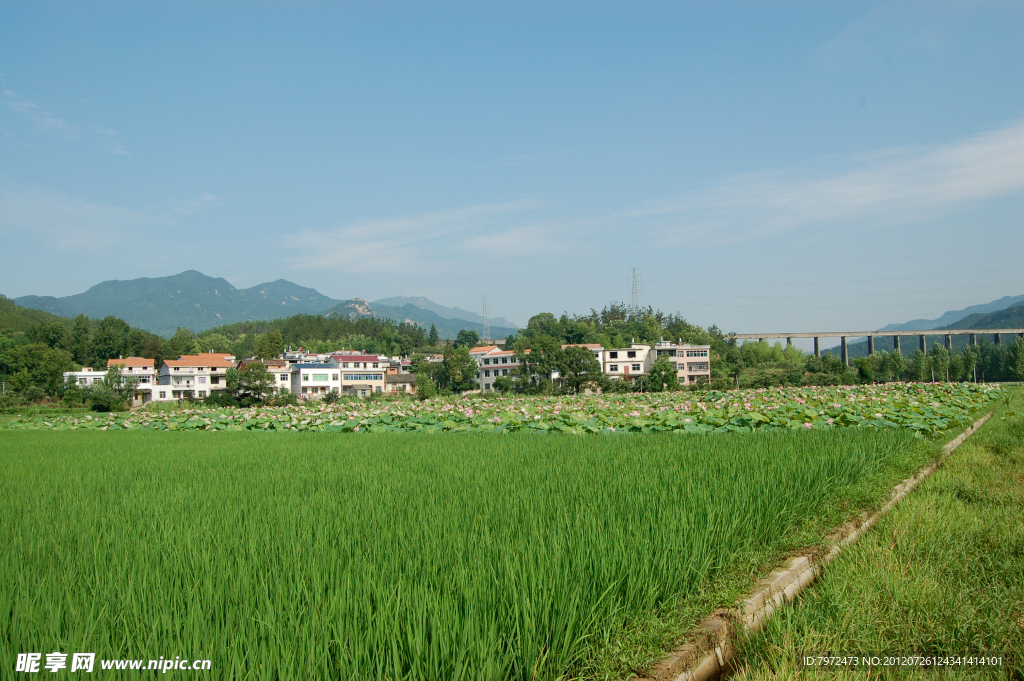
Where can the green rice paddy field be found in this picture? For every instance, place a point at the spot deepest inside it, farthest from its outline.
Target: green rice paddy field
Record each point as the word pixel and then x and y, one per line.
pixel 404 555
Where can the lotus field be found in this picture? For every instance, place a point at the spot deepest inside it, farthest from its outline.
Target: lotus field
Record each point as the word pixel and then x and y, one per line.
pixel 922 407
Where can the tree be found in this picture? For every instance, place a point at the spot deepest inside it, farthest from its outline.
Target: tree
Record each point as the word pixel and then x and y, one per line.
pixel 938 357
pixel 895 364
pixel 458 370
pixel 1017 359
pixel 467 338
pixel 214 342
pixel 502 384
pixel 433 338
pixel 38 366
pixel 578 368
pixel 52 334
pixel 865 369
pixel 968 361
pixel 181 343
pixel 255 381
pixel 662 376
pixel 80 341
pixel 115 391
pixel 270 345
pixel 109 339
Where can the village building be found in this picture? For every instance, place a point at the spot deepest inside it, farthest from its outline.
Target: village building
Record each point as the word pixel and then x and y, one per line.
pixel 194 376
pixel 627 363
pixel 493 363
pixel 313 380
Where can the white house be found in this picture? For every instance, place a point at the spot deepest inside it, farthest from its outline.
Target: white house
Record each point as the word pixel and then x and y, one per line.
pixel 313 380
pixel 195 375
pixel 627 363
pixel 693 362
pixel 362 375
pixel 280 371
pixel 141 368
pixel 493 363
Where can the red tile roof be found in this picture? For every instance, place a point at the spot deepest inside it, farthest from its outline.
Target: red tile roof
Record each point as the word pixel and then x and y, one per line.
pixel 131 362
pixel 203 359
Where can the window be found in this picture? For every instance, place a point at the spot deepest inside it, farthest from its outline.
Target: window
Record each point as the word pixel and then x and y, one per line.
pixel 487 373
pixel 487 386
pixel 344 365
pixel 613 355
pixel 202 393
pixel 201 369
pixel 631 354
pixel 163 394
pixel 504 372
pixel 504 360
pixel 319 377
pixel 83 381
pixel 376 365
pixel 305 377
pixel 363 377
pixel 334 377
pixel 636 367
pixel 696 353
pixel 202 379
pixel 697 366
pixel 613 367
pixel 378 388
pixel 284 377
pixel 486 361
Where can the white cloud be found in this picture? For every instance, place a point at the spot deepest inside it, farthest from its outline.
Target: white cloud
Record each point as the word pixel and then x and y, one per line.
pixel 43 121
pixel 64 222
pixel 411 243
pixel 886 188
pixel 49 123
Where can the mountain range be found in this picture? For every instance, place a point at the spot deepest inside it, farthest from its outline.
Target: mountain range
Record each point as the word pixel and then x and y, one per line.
pixel 199 302
pixel 1011 317
pixel 955 316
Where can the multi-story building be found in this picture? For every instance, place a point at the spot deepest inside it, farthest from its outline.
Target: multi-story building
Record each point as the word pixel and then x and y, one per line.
pixel 693 362
pixel 362 375
pixel 142 369
pixel 196 376
pixel 313 380
pixel 493 363
pixel 627 363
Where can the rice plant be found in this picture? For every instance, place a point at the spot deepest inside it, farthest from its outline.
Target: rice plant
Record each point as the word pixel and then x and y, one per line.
pixel 391 556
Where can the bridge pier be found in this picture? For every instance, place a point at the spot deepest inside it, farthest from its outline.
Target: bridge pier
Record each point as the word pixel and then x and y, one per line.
pixel 789 342
pixel 817 349
pixel 972 338
pixel 895 343
pixel 996 339
pixel 871 345
pixel 845 353
pixel 949 342
pixel 922 343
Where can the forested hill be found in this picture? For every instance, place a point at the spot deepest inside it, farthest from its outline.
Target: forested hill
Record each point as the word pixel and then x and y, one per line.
pixel 190 299
pixel 1010 318
pixel 17 319
pixel 413 314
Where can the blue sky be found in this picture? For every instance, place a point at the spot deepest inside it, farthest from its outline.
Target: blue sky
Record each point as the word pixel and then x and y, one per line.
pixel 764 166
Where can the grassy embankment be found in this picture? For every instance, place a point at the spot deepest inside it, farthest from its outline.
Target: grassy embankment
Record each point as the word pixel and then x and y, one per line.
pixel 405 556
pixel 943 573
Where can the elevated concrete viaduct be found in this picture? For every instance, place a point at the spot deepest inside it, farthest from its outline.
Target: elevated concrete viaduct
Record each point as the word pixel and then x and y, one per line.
pixel 972 335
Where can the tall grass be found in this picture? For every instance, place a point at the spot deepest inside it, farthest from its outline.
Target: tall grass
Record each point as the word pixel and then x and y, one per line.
pixel 395 556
